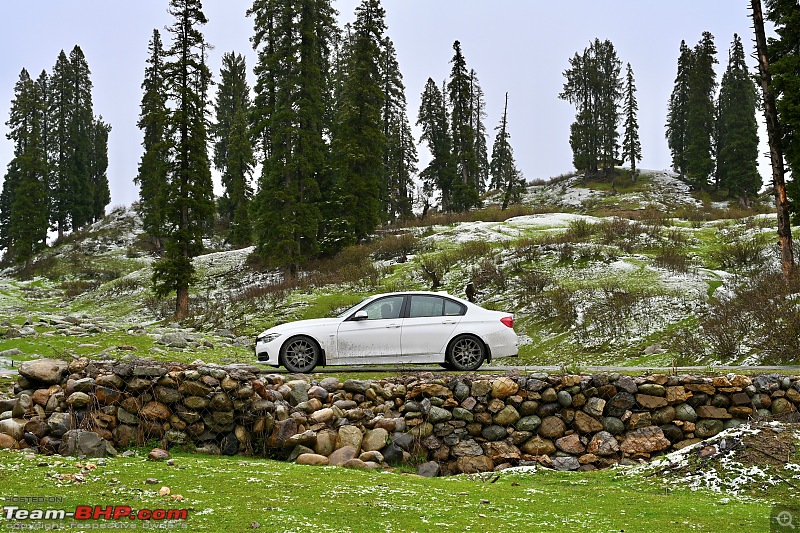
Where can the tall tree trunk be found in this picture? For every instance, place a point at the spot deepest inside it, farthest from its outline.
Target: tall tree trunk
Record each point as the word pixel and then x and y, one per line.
pixel 182 302
pixel 775 150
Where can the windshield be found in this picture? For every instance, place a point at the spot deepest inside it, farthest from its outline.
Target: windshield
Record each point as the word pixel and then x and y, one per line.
pixel 352 309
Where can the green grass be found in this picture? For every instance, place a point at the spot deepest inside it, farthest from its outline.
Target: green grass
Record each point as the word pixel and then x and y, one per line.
pixel 233 494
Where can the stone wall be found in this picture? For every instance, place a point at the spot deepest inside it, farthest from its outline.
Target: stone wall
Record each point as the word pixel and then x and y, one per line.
pixel 447 424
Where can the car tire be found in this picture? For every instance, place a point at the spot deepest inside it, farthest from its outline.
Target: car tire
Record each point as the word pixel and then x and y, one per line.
pixel 466 353
pixel 446 365
pixel 300 355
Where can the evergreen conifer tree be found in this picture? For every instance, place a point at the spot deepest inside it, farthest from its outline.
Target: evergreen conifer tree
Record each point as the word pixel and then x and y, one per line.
pixel 677 112
pixel 154 120
pixel 233 151
pixel 358 142
pixel 504 170
pixel 60 112
pixel 700 112
pixel 292 40
pixel 594 86
pixel 478 106
pixel 440 174
pixel 737 129
pixel 465 193
pixel 631 146
pixel 190 202
pixel 23 211
pixel 80 143
pixel 401 152
pixel 98 167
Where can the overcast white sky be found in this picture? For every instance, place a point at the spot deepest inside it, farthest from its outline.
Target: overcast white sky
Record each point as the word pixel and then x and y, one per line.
pixel 519 46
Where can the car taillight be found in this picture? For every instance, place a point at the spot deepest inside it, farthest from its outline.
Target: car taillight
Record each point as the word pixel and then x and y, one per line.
pixel 508 321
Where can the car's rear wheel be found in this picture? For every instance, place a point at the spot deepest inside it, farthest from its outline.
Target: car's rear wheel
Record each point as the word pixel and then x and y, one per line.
pixel 300 355
pixel 466 353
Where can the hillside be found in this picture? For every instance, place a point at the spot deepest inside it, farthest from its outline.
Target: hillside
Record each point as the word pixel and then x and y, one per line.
pixel 642 273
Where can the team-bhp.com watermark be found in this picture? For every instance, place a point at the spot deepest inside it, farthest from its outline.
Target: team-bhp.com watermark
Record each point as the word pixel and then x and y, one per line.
pixel 88 516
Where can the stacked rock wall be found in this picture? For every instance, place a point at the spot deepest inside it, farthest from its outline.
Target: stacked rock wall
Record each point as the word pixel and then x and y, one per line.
pixel 451 424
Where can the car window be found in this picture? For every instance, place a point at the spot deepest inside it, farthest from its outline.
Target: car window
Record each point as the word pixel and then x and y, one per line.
pixel 422 306
pixel 384 308
pixel 452 308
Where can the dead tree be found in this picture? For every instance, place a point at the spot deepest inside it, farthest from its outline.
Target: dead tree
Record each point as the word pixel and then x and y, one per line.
pixel 775 150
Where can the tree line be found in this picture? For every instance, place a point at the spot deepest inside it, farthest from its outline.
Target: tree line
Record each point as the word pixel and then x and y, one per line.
pixel 326 129
pixel 57 179
pixel 319 152
pixel 713 135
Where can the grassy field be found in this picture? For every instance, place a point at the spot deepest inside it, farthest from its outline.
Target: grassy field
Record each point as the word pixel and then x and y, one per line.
pixel 241 494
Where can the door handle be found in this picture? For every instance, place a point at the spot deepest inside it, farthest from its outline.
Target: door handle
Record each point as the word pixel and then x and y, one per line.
pixel 449 322
pixel 393 326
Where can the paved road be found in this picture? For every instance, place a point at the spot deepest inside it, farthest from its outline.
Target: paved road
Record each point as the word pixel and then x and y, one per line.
pixel 526 369
pixel 551 369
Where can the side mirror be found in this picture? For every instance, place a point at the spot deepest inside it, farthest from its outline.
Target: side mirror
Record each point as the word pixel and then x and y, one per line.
pixel 360 315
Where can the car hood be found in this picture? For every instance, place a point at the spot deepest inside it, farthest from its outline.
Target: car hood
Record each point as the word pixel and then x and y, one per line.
pixel 302 325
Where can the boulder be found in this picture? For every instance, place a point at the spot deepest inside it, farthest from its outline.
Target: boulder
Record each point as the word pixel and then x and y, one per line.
pixel 503 387
pixel 603 444
pixel 342 455
pixel 570 444
pixel 429 469
pixel 79 442
pixel 312 459
pixel 44 371
pixel 349 436
pixel 586 424
pixel 552 427
pixel 644 441
pixel 474 464
pixel 8 442
pixel 154 410
pixel 565 463
pixel 538 446
pixel 374 440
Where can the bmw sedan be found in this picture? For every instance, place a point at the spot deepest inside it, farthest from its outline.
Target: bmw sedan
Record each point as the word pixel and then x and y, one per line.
pixel 407 327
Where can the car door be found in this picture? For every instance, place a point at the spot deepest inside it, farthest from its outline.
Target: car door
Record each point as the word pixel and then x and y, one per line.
pixel 375 336
pixel 430 322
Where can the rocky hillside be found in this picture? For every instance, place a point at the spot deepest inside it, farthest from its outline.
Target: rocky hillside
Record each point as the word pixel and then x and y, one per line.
pixel 624 273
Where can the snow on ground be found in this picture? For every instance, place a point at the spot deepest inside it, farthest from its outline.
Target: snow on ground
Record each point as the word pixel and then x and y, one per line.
pixel 511 229
pixel 722 471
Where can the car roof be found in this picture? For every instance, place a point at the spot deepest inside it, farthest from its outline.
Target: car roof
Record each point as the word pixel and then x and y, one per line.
pixel 412 293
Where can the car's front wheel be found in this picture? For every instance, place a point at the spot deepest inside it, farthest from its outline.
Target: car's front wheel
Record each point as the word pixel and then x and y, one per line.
pixel 300 355
pixel 466 353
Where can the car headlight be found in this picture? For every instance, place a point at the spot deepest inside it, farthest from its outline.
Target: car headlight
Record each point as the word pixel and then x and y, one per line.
pixel 267 337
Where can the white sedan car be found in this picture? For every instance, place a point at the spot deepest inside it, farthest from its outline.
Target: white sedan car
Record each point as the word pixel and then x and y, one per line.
pixel 407 327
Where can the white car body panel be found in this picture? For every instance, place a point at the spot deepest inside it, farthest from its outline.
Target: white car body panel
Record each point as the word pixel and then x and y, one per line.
pixel 401 340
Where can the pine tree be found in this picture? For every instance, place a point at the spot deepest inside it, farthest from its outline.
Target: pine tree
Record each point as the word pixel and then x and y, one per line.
pixel 401 153
pixel 677 112
pixel 737 129
pixel 190 203
pixel 292 40
pixel 60 112
pixel 440 174
pixel 594 86
pixel 505 174
pixel 631 146
pixel 233 151
pixel 465 193
pixel 358 142
pixel 478 105
pixel 98 167
pixel 80 145
pixel 154 122
pixel 23 212
pixel 700 112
